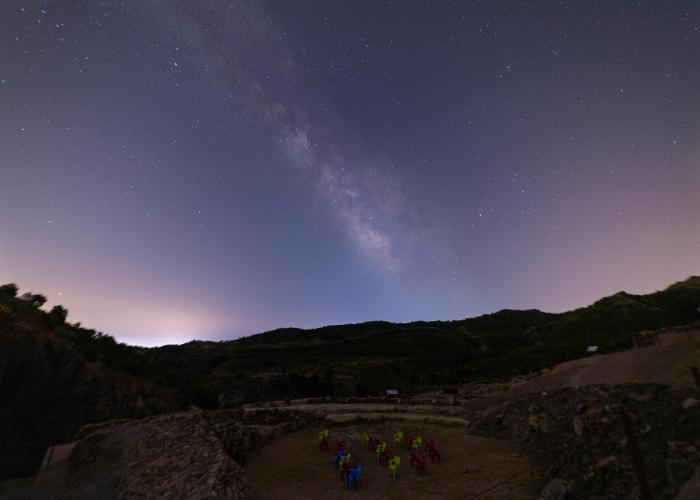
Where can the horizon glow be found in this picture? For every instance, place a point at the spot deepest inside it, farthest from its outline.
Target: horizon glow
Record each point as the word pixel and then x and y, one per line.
pixel 171 171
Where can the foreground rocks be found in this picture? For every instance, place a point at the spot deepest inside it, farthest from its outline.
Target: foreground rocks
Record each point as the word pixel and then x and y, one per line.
pixel 180 456
pixel 577 433
pixel 186 455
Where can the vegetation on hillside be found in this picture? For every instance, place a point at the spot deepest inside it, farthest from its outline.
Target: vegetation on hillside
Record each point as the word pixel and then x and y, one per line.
pixel 49 387
pixel 370 357
pixel 55 376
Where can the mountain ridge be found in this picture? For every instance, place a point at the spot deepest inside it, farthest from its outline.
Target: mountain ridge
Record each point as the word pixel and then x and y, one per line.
pixel 46 362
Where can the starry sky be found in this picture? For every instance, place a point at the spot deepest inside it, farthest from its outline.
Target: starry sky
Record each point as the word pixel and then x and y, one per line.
pixel 172 170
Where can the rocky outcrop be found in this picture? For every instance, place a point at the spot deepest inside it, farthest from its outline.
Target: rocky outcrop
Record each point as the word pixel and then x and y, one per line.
pixel 192 454
pixel 181 456
pixel 579 436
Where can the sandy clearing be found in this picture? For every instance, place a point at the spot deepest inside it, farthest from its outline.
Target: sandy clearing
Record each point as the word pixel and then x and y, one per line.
pixel 292 467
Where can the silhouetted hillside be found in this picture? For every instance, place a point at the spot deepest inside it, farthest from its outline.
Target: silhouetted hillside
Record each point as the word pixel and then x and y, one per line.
pixel 54 377
pixel 367 358
pixel 48 389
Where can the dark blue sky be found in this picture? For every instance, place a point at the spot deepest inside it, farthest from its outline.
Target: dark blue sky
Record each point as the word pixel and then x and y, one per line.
pixel 175 169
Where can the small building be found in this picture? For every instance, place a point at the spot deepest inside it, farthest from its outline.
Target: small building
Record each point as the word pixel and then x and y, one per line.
pixel 592 349
pixel 392 392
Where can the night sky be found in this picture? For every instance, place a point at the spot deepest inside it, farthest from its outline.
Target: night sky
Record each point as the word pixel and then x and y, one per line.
pixel 172 170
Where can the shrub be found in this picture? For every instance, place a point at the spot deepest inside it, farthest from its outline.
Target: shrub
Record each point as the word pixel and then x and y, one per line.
pixel 9 290
pixel 58 314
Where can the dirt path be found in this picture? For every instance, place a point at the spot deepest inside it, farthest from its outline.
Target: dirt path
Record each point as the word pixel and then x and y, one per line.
pixel 292 467
pixel 666 363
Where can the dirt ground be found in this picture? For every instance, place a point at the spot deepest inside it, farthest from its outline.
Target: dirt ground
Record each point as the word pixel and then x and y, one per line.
pixel 293 467
pixel 666 363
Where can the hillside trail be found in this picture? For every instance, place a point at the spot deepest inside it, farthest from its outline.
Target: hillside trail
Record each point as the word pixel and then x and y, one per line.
pixel 668 362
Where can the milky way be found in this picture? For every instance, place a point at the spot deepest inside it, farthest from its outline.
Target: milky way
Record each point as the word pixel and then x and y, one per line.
pixel 174 170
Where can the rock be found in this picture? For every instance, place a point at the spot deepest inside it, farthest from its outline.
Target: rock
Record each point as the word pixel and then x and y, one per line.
pixel 596 462
pixel 689 403
pixel 532 422
pixel 594 413
pixel 557 489
pixel 607 463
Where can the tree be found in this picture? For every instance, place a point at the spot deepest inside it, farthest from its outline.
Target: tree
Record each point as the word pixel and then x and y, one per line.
pixel 9 290
pixel 58 314
pixel 35 299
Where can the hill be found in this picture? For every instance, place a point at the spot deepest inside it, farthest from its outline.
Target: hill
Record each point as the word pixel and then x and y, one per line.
pixel 367 358
pixel 49 388
pixel 55 377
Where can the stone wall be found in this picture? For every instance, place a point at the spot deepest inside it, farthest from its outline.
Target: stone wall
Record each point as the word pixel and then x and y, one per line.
pixel 578 435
